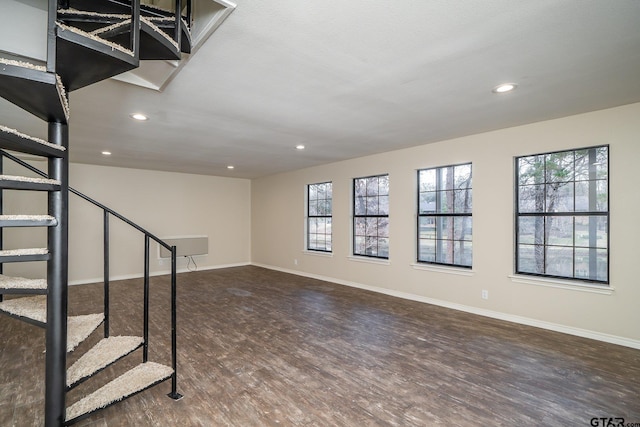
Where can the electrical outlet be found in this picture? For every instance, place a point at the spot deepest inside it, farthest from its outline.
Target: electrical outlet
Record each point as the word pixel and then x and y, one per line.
pixel 295 262
pixel 485 294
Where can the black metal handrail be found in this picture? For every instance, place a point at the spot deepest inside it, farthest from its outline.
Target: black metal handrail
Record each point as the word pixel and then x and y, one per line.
pixel 90 200
pixel 148 236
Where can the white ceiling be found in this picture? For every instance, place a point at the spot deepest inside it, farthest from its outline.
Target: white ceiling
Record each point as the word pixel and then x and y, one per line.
pixel 352 78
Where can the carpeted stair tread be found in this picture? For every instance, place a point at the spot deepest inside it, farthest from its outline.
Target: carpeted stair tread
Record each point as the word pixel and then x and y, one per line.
pixel 80 327
pixel 103 354
pixel 29 179
pixel 34 308
pixel 27 220
pixel 107 43
pixel 26 217
pixel 34 89
pixel 8 282
pixel 87 14
pixel 24 255
pixel 23 252
pixel 137 379
pixel 100 32
pixel 23 64
pixel 161 18
pixel 23 136
pixel 11 182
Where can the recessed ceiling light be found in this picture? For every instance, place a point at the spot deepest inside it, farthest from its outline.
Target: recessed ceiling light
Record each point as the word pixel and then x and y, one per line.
pixel 504 88
pixel 106 153
pixel 300 147
pixel 139 116
pixel 231 167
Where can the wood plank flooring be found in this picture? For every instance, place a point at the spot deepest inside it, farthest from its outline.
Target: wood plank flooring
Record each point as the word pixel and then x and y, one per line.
pixel 264 348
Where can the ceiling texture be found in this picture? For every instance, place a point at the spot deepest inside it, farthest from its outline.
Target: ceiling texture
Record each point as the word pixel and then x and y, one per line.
pixel 353 78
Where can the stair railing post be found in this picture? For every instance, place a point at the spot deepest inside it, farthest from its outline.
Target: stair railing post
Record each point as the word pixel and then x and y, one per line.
pixel 135 28
pixel 174 353
pixel 105 252
pixel 145 348
pixel 189 13
pixel 51 35
pixel 178 34
pixel 57 283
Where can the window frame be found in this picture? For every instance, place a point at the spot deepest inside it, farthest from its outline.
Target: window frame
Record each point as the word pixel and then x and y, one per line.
pixel 355 216
pixel 436 215
pixel 310 216
pixel 567 214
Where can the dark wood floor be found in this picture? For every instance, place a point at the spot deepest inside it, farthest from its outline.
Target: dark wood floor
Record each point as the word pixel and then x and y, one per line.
pixel 263 348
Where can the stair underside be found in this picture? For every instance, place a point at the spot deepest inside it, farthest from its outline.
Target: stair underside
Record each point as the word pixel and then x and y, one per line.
pixel 27 221
pixel 11 182
pixel 34 310
pixel 132 382
pixel 83 59
pixel 164 19
pixel 24 255
pixel 93 22
pixel 106 352
pixel 185 37
pixel 21 285
pixel 121 8
pixel 167 25
pixel 34 89
pixel 11 139
pixel 155 43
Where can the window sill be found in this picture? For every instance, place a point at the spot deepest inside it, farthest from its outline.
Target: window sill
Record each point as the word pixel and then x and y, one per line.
pixel 562 284
pixel 369 260
pixel 443 269
pixel 318 253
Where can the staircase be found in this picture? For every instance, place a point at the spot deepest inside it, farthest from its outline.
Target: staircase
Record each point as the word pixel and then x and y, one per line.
pixel 87 42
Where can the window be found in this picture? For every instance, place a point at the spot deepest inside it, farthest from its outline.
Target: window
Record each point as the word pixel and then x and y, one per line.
pixel 444 215
pixel 319 208
pixel 562 214
pixel 371 216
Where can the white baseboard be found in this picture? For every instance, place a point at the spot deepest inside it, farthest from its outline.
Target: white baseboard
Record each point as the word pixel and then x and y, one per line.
pixel 584 333
pixel 155 273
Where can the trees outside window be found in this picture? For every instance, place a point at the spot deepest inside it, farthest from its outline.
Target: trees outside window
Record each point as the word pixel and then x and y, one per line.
pixel 371 216
pixel 562 214
pixel 444 215
pixel 319 216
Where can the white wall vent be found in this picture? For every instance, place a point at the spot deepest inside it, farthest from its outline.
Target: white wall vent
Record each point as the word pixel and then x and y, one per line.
pixel 185 246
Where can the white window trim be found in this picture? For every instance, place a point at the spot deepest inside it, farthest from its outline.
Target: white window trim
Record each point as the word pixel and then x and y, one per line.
pixel 323 254
pixel 369 260
pixel 562 284
pixel 448 269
